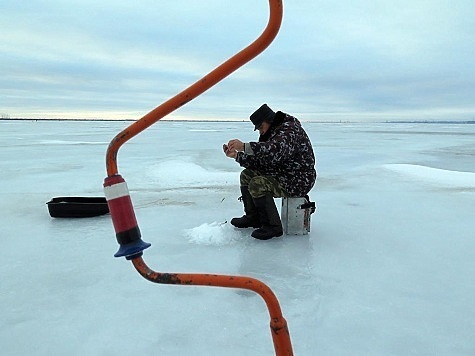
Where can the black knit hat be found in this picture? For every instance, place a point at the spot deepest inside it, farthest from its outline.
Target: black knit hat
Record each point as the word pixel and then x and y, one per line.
pixel 264 113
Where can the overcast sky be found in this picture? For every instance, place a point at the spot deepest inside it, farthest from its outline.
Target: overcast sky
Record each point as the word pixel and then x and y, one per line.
pixel 332 60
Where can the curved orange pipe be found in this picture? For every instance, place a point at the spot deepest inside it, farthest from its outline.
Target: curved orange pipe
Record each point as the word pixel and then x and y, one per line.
pixel 278 325
pixel 279 330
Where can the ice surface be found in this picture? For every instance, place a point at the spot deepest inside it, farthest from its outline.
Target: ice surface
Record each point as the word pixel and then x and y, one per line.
pixel 387 268
pixel 435 176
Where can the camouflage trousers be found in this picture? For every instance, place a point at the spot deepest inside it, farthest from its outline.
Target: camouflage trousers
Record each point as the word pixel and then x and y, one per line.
pixel 261 185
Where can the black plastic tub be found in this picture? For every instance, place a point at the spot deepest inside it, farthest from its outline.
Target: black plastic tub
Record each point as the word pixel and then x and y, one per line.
pixel 77 207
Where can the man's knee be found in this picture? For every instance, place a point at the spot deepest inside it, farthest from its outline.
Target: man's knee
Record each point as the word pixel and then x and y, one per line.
pixel 259 186
pixel 246 176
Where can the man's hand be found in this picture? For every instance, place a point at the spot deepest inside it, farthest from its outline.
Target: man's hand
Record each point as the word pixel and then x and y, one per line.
pixel 228 152
pixel 233 147
pixel 236 145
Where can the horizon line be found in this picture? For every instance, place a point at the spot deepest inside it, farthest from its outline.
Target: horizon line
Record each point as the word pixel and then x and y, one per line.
pixel 435 121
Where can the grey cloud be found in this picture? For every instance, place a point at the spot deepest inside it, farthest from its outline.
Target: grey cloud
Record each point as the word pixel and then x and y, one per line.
pixel 337 57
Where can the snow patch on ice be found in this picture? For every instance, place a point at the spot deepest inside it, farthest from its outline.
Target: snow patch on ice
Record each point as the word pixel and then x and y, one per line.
pixel 214 233
pixel 435 176
pixel 179 173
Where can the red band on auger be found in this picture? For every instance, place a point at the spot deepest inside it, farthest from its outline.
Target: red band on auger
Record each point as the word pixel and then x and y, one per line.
pixel 121 209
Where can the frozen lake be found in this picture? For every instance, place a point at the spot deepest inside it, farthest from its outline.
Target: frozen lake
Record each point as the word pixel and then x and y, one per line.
pixel 387 268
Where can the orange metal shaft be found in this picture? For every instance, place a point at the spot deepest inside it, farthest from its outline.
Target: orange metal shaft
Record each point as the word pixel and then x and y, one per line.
pixel 219 73
pixel 278 325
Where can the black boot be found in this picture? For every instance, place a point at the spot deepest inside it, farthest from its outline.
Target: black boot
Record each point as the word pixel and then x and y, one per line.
pixel 269 217
pixel 251 219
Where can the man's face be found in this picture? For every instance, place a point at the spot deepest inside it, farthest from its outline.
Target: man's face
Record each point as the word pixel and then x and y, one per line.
pixel 263 128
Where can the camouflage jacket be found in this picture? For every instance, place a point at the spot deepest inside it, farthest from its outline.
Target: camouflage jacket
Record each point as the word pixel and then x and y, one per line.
pixel 285 153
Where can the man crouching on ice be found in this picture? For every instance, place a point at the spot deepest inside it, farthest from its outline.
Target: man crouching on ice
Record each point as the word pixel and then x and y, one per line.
pixel 281 164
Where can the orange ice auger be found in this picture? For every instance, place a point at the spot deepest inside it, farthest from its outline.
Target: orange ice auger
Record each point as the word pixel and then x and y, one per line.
pixel 122 212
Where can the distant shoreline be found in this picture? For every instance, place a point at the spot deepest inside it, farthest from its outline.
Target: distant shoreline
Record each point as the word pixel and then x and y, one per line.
pixel 463 122
pixel 113 120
